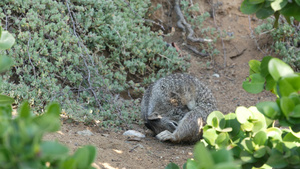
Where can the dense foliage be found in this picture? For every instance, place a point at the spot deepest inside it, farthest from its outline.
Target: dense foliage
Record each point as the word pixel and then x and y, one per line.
pixel 286 40
pixel 82 54
pixel 21 144
pixel 250 133
pixel 265 8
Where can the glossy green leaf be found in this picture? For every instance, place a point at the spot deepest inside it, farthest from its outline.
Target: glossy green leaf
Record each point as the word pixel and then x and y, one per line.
pixel 222 140
pixel 243 114
pixel 290 137
pixel 264 66
pixel 278 68
pixel 53 150
pixel 296 112
pixel 6 40
pixel 278 4
pixel 172 166
pixel 204 161
pixel 6 99
pixel 256 1
pixel 274 133
pixel 248 8
pixel 248 144
pixel 85 156
pixel 24 111
pixel 210 136
pixel 216 119
pixel 254 84
pixel 260 152
pixel 232 122
pixel 254 66
pixel 291 10
pixel 192 164
pixel 246 157
pixel 247 126
pixel 270 109
pixel 264 12
pixel 260 138
pixel 287 105
pixel 222 156
pixel 289 84
pixel 276 159
pixel 270 83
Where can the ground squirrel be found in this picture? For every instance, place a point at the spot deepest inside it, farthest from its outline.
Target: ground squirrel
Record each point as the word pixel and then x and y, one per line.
pixel 175 108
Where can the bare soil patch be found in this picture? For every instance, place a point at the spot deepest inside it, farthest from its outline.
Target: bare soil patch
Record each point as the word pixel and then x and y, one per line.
pixel 116 151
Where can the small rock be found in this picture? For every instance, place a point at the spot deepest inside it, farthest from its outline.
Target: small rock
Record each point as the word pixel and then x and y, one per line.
pixel 85 133
pixel 216 75
pixel 133 133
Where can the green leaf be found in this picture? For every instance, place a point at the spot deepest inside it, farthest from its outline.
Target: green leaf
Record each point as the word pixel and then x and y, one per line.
pixel 248 144
pixel 25 110
pixel 204 161
pixel 290 137
pixel 6 40
pixel 270 83
pixel 248 8
pixel 232 122
pixel 254 66
pixel 243 114
pixel 54 109
pixel 254 84
pixel 287 105
pixel 270 109
pixel 172 166
pixel 291 10
pixel 289 84
pixel 264 66
pixel 256 1
pixel 222 156
pixel 264 12
pixel 260 138
pixel 216 119
pixel 246 157
pixel 192 164
pixel 5 63
pixel 6 99
pixel 85 156
pixel 296 112
pixel 0 31
pixel 222 140
pixel 276 159
pixel 277 5
pixel 53 150
pixel 247 126
pixel 274 133
pixel 210 136
pixel 278 68
pixel 260 152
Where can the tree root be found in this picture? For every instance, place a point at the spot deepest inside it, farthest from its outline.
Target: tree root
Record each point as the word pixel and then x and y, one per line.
pixel 182 24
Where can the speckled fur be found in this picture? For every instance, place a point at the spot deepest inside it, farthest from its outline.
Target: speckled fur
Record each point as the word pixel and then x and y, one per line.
pixel 175 108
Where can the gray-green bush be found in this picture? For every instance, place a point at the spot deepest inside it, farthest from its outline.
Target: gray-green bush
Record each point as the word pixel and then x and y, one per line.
pixel 82 54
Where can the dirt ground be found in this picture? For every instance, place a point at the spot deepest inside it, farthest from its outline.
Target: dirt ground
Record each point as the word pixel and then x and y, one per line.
pixel 116 151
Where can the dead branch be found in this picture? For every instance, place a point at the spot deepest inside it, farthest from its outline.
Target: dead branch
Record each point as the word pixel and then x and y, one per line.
pixel 186 27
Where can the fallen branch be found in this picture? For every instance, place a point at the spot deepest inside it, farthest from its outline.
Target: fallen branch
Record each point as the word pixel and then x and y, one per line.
pixel 182 24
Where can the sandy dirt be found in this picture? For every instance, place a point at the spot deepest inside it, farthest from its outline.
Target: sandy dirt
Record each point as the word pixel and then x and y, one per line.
pixel 115 151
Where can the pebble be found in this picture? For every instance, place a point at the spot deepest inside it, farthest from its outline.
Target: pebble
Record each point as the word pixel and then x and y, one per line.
pixel 133 133
pixel 85 133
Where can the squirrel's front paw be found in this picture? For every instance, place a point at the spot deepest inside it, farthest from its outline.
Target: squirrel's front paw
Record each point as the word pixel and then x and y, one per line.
pixel 164 136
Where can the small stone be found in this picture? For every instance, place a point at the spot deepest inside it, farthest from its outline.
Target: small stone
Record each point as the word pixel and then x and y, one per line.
pixel 133 133
pixel 216 75
pixel 85 133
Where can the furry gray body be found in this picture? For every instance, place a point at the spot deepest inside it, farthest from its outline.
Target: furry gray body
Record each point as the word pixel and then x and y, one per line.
pixel 175 108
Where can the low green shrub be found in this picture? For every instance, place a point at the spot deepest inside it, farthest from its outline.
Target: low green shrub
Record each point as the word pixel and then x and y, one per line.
pixel 286 41
pixel 250 133
pixel 82 54
pixel 21 144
